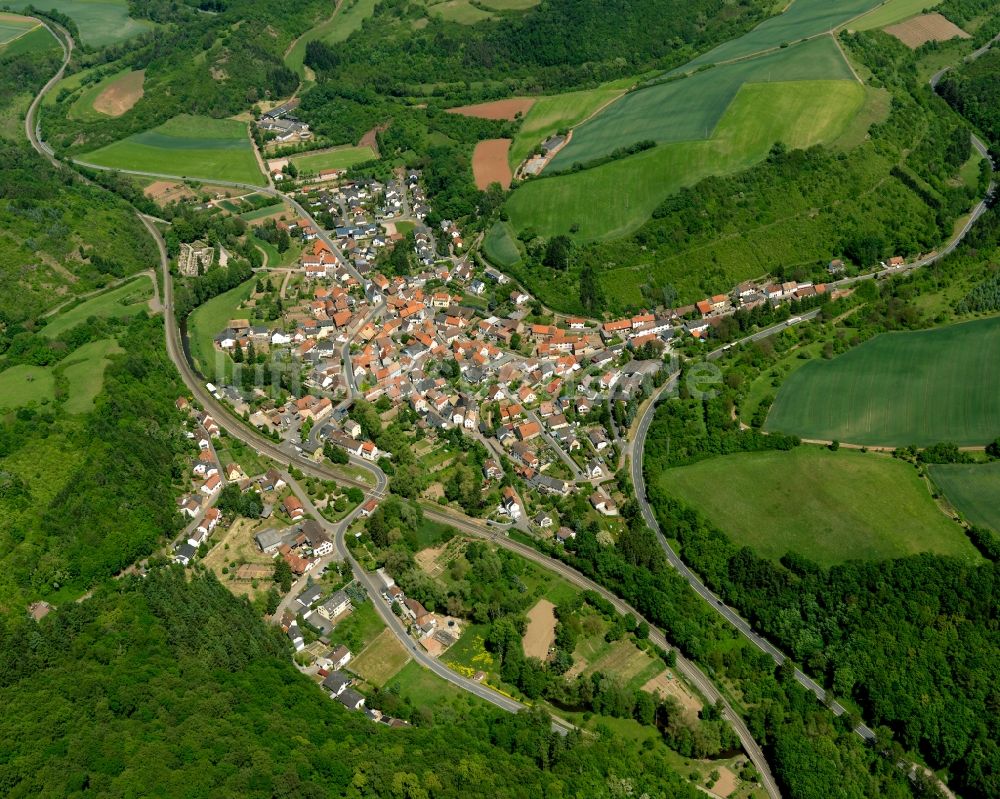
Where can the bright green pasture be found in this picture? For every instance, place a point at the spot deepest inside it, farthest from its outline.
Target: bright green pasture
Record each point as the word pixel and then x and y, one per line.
pixel 551 114
pixel 208 320
pixel 186 146
pixel 460 11
pixel 84 371
pixel 13 26
pixel 125 300
pixel 891 12
pixel 24 384
pixel 829 506
pixel 100 22
pixel 35 41
pixel 974 490
pixel 341 158
pixel 688 109
pixel 616 198
pixel 500 245
pixel 803 18
pixel 899 389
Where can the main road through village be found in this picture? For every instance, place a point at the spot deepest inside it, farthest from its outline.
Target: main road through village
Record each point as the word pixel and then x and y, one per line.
pixel 236 428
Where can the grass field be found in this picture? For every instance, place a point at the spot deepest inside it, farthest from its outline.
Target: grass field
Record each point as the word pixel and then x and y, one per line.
pixel 801 19
pixel 501 245
pixel 551 114
pixel 125 300
pixel 828 506
pixel 25 384
pixel 83 108
pixel 84 371
pixel 889 13
pixel 210 319
pixel 189 146
pixel 13 26
pixel 100 22
pixel 261 213
pixel 35 41
pixel 345 20
pixel 381 660
pixel 689 109
pixel 616 198
pixel 899 389
pixel 460 11
pixel 341 158
pixel 426 690
pixel 974 490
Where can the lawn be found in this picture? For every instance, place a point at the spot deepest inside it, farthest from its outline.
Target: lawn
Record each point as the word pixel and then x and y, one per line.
pixel 187 146
pixel 899 389
pixel 381 660
pixel 84 371
pixel 891 12
pixel 26 384
pixel 210 319
pixel 125 300
pixel 359 629
pixel 689 109
pixel 500 245
pixel 344 21
pixel 616 198
pixel 974 490
pixel 551 114
pixel 801 19
pixel 828 506
pixel 340 158
pixel 100 22
pixel 426 690
pixel 263 213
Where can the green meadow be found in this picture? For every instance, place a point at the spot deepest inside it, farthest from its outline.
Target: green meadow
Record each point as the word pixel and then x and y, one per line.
pixel 342 23
pixel 828 506
pixel 100 22
pixel 187 146
pixel 889 13
pixel 341 158
pixel 125 300
pixel 973 489
pixel 899 389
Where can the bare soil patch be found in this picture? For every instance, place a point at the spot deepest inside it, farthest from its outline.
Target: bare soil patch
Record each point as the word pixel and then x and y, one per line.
pixel 926 28
pixel 498 109
pixel 726 784
pixel 666 684
pixel 489 163
pixel 370 139
pixel 541 632
pixel 429 561
pixel 121 94
pixel 242 550
pixel 165 191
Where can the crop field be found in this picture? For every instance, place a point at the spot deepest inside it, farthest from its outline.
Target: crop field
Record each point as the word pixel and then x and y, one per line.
pixel 35 41
pixel 208 320
pixel 828 506
pixel 549 115
pixel 501 246
pixel 489 163
pixel 496 109
pixel 974 490
pixel 381 660
pixel 688 109
pixel 340 158
pixel 900 389
pixel 803 18
pixel 125 300
pixel 926 28
pixel 84 371
pixel 188 146
pixel 616 198
pixel 889 13
pixel 13 26
pixel 25 384
pixel 100 22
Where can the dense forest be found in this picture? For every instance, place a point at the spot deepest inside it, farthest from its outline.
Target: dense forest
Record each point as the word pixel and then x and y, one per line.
pixel 554 46
pixel 973 91
pixel 172 687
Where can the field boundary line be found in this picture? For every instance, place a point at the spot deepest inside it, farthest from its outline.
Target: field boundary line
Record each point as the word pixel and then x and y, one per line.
pixel 22 34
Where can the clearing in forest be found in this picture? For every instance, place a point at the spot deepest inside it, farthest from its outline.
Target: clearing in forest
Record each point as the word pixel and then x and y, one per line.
pixel 489 163
pixel 926 28
pixel 541 632
pixel 497 109
pixel 120 94
pixel 899 389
